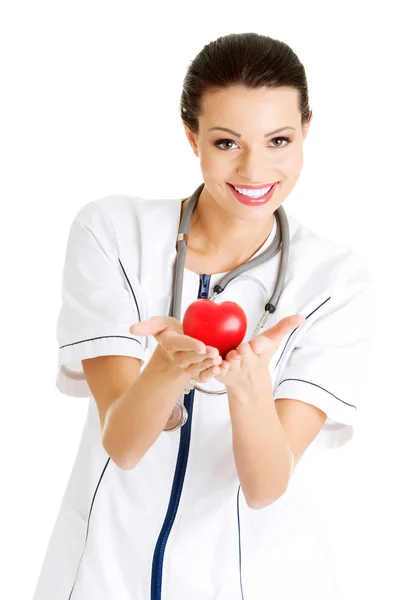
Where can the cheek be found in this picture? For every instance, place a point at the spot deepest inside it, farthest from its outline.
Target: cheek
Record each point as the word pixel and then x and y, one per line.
pixel 214 164
pixel 292 164
pixel 290 169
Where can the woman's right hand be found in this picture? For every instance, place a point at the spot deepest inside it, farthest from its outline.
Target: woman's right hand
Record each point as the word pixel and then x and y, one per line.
pixel 182 350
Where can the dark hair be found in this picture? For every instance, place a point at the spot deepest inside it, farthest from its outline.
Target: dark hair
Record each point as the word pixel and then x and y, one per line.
pixel 246 59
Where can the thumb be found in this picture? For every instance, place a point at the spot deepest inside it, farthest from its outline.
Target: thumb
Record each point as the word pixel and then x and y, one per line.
pixel 156 325
pixel 280 329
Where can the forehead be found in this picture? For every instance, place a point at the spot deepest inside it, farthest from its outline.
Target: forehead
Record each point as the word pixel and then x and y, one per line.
pixel 273 106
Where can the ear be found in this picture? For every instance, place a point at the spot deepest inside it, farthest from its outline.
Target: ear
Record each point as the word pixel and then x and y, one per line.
pixel 305 128
pixel 192 138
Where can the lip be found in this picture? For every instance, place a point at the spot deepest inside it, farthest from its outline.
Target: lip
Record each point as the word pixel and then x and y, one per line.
pixel 254 201
pixel 252 187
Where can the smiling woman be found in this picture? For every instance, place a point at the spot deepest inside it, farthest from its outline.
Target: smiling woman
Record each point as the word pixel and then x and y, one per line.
pixel 216 509
pixel 249 177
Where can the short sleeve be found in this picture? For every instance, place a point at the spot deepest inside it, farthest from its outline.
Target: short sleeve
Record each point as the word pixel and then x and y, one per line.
pixel 332 361
pixel 99 302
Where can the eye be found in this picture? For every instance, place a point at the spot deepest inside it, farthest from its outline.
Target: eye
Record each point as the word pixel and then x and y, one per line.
pixel 219 142
pixel 286 139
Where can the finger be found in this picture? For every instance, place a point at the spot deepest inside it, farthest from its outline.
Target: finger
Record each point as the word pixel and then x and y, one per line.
pixel 261 343
pixel 277 332
pixel 210 353
pixel 178 342
pixel 212 350
pixel 198 358
pixel 244 349
pixel 186 359
pixel 232 355
pixel 210 370
pixel 207 374
pixel 234 360
pixel 224 368
pixel 269 340
pixel 155 325
pixel 168 331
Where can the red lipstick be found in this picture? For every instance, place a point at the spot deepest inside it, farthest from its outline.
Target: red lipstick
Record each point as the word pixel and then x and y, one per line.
pixel 254 201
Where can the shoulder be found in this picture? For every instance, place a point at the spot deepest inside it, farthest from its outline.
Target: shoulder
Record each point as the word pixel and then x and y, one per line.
pixel 119 207
pixel 319 262
pixel 307 242
pixel 125 217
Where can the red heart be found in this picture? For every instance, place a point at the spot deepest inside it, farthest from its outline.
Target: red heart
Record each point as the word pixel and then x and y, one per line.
pixel 222 326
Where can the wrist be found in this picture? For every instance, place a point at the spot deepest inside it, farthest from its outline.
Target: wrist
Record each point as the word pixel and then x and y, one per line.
pixel 250 392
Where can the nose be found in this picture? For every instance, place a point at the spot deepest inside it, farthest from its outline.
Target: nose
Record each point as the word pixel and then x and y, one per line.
pixel 253 166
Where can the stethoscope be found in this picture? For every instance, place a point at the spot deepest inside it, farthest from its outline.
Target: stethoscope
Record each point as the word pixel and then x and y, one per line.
pixel 179 414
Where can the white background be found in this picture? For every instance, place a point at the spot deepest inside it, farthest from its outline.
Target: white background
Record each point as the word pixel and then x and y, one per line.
pixel 89 107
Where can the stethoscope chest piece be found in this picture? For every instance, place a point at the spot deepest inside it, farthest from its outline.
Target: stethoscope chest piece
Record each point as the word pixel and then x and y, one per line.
pixel 177 418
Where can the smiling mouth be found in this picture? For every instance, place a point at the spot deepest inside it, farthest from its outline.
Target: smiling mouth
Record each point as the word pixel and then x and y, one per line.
pixel 251 200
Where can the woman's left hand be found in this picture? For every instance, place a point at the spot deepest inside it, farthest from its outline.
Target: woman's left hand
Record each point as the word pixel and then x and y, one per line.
pixel 247 365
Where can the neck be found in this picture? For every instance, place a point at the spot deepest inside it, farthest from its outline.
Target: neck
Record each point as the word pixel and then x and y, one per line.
pixel 214 231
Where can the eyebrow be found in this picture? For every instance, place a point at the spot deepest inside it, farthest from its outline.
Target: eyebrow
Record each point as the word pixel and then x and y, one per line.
pixel 239 135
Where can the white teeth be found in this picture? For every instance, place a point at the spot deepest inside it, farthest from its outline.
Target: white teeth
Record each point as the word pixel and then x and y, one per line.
pixel 253 193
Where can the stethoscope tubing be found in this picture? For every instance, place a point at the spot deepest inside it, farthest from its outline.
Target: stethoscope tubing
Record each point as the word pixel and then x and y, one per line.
pixel 281 242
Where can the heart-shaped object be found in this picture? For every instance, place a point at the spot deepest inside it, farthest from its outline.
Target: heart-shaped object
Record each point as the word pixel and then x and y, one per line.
pixel 222 326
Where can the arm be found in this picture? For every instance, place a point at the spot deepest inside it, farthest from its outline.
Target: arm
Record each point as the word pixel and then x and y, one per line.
pixel 269 438
pixel 263 456
pixel 136 419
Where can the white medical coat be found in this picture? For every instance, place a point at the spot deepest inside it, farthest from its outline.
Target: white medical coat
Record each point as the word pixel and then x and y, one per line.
pixel 177 526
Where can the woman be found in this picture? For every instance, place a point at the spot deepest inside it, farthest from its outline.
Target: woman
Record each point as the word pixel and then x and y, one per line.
pixel 214 510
